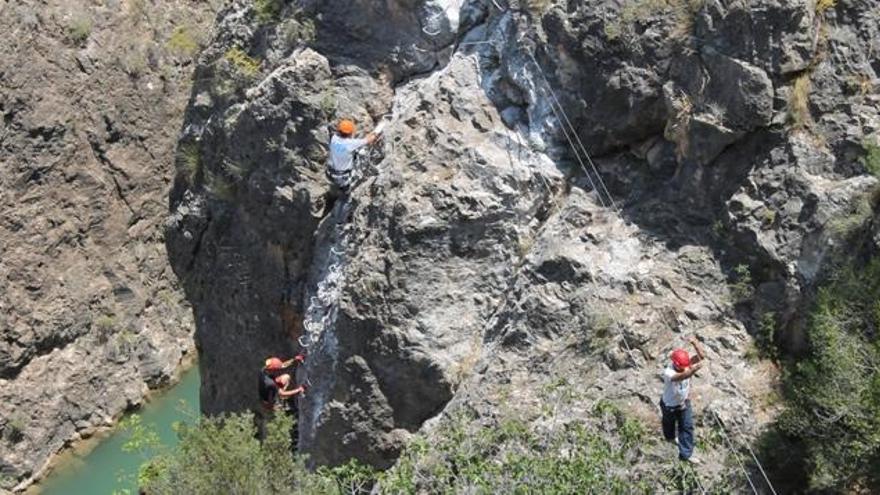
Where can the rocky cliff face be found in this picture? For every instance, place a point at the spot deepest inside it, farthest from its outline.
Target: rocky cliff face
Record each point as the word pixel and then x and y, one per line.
pixel 483 255
pixel 90 313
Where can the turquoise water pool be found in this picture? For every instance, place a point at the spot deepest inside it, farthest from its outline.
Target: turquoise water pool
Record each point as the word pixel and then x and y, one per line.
pixel 107 469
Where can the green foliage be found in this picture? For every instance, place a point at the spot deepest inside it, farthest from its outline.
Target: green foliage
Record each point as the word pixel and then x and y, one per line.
pixel 718 229
pixel 351 477
pixel 104 327
pixel 512 458
pixel 871 160
pixel 220 187
pixel 833 391
pixel 183 42
pixel 14 430
pixel 142 438
pixel 741 289
pixel 223 455
pixel 79 29
pixel 133 60
pixel 242 63
pixel 268 11
pixel 298 31
pixel 766 335
pixel 860 211
pixel 328 103
pixel 6 481
pixel 188 161
pixel 105 323
pixel 768 217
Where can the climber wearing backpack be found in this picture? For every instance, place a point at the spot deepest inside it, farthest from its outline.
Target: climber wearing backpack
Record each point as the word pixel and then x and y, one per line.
pixel 343 146
pixel 678 417
pixel 271 384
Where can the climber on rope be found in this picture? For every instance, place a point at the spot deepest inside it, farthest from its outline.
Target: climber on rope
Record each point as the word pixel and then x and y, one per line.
pixel 275 380
pixel 343 146
pixel 678 416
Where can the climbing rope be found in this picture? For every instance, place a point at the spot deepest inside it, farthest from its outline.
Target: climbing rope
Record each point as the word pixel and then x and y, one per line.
pixel 730 446
pixel 751 452
pixel 566 122
pixel 568 130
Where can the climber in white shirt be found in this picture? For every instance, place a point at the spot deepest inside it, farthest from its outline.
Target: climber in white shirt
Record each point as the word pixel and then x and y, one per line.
pixel 678 417
pixel 343 145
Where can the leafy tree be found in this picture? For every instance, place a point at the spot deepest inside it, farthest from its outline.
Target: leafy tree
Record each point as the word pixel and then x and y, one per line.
pixel 834 390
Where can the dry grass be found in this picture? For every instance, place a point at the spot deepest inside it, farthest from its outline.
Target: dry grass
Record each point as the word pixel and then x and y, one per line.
pixel 676 129
pixel 823 5
pixel 799 103
pixel 538 7
pixel 681 12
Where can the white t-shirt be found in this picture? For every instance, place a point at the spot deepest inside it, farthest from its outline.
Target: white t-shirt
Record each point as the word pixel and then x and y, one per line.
pixel 342 153
pixel 674 393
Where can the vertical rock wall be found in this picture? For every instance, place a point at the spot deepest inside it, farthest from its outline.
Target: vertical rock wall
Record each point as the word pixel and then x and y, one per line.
pixel 479 258
pixel 91 316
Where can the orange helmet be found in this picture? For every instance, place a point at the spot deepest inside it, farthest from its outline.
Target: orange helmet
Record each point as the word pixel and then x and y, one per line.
pixel 346 127
pixel 273 364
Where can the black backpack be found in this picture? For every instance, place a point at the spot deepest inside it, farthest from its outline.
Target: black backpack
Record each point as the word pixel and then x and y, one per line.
pixel 267 388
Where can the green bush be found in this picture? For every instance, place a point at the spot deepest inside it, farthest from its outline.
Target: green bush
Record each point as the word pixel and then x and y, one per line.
pixel 14 430
pixel 79 29
pixel 223 455
pixel 765 339
pixel 741 289
pixel 509 457
pixel 268 11
pixel 188 161
pixel 833 391
pixel 242 63
pixel 183 42
pixel 512 458
pixel 298 31
pixel 871 160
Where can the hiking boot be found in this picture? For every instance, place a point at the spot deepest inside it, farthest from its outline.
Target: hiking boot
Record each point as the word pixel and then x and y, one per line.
pixel 672 440
pixel 692 460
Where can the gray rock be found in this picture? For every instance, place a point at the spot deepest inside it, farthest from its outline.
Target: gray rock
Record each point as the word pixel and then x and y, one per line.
pixel 86 142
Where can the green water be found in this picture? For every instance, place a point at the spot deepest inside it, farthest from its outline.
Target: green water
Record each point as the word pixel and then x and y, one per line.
pixel 107 468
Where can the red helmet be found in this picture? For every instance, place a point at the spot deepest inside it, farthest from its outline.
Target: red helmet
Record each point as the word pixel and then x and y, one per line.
pixel 273 364
pixel 681 359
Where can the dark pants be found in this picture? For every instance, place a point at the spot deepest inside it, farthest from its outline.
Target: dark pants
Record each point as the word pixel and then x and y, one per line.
pixel 339 186
pixel 682 420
